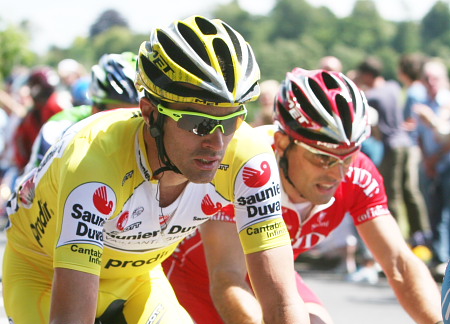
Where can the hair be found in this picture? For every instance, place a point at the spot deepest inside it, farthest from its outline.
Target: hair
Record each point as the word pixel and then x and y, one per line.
pixel 411 65
pixel 330 63
pixel 372 66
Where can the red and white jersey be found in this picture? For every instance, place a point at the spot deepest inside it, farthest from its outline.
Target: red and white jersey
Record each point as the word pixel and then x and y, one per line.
pixel 361 194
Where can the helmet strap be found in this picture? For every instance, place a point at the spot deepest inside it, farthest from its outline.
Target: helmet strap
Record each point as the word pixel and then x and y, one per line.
pixel 157 132
pixel 283 163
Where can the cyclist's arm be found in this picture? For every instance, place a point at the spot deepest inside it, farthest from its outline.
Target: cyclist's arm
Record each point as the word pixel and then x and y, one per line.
pixel 409 277
pixel 74 297
pixel 229 288
pixel 272 277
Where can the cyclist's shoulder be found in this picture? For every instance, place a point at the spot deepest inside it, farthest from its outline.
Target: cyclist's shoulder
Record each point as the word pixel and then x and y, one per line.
pixel 73 114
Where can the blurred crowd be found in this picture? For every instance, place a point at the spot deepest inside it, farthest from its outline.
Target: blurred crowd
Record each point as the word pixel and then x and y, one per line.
pixel 410 144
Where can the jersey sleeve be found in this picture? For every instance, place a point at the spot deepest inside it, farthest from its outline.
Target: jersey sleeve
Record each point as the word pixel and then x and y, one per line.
pixel 254 187
pixel 369 195
pixel 86 202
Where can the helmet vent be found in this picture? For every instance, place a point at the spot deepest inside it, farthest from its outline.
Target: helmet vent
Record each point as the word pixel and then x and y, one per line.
pixel 321 95
pixel 153 73
pixel 205 26
pixel 225 61
pixel 330 82
pixel 236 43
pixel 345 114
pixel 306 105
pixel 195 42
pixel 179 57
pixel 250 63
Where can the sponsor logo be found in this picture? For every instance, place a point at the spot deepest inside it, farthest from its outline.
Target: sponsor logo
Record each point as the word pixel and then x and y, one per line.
pixel 320 221
pixel 205 102
pixel 85 212
pixel 113 263
pixel 95 256
pixel 200 218
pixel 127 176
pixel 137 212
pixel 26 191
pixel 132 226
pixel 260 196
pixel 138 236
pixel 265 210
pixel 224 167
pixel 161 63
pixel 373 212
pixel 41 222
pixel 122 221
pixel 143 168
pixel 101 201
pixel 294 110
pixel 328 145
pixel 364 179
pixel 309 240
pixel 271 230
pixel 86 218
pixel 175 229
pixel 254 178
pixel 154 316
pixel 209 208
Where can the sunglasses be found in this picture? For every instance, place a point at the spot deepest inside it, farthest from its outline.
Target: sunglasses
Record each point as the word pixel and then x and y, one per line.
pixel 327 160
pixel 203 124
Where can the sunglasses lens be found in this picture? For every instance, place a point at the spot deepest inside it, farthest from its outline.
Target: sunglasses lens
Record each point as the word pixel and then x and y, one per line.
pixel 203 126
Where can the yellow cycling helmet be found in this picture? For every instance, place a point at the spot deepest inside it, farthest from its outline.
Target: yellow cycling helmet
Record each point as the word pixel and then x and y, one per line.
pixel 200 61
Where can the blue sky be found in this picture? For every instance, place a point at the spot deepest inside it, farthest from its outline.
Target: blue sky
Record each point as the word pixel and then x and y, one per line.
pixel 59 22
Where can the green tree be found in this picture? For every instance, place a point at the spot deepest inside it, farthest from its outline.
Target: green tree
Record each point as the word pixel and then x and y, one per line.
pixel 14 49
pixel 291 18
pixel 365 29
pixel 107 20
pixel 436 23
pixel 116 40
pixel 407 37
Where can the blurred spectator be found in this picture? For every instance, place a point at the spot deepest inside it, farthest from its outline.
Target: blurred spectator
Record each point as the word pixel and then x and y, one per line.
pixel 330 63
pixel 76 81
pixel 42 82
pixel 385 97
pixel 409 73
pixel 436 160
pixel 269 89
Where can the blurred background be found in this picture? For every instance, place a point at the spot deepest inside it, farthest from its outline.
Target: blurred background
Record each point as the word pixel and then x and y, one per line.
pixel 283 33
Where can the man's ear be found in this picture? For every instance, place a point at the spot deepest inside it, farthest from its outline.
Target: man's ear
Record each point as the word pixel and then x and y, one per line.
pixel 147 108
pixel 281 141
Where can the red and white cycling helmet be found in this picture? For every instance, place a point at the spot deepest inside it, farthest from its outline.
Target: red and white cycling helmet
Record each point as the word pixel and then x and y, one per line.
pixel 322 108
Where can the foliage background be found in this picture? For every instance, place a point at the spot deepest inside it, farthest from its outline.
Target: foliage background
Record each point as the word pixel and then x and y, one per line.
pixel 293 33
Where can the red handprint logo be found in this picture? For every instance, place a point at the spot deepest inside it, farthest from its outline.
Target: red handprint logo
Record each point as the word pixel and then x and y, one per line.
pixel 209 208
pixel 123 220
pixel 255 178
pixel 101 201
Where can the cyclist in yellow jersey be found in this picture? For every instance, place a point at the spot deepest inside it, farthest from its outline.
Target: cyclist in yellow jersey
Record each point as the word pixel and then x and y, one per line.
pixel 115 195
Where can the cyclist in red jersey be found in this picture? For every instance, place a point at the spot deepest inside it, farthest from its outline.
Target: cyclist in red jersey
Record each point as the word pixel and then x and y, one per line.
pixel 321 121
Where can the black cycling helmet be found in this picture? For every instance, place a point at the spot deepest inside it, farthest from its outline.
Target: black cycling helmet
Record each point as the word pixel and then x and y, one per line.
pixel 112 79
